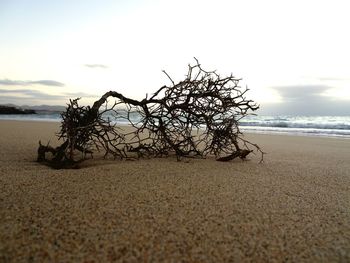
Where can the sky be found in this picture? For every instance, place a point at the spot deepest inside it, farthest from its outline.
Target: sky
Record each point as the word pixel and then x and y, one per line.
pixel 294 56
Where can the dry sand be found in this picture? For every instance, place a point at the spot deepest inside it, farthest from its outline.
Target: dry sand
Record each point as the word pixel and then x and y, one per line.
pixel 295 207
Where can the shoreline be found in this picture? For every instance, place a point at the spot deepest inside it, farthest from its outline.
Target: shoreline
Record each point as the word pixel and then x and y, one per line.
pixel 244 131
pixel 293 207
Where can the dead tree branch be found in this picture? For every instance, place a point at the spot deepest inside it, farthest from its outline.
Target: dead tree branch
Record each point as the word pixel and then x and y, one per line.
pixel 195 117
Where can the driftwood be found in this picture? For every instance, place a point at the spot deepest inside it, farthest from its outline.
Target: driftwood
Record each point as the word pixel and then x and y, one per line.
pixel 240 153
pixel 192 118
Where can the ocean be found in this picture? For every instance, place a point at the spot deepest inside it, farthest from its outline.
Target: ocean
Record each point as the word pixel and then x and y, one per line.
pixel 328 126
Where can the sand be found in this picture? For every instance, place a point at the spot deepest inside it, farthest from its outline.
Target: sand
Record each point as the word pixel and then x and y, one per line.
pixel 295 207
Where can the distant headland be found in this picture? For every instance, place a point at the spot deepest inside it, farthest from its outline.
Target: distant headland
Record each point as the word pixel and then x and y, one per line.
pixel 13 110
pixel 25 109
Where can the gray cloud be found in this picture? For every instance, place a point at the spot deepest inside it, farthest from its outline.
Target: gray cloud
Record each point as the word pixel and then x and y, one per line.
pixel 79 95
pixel 302 92
pixel 24 93
pixel 20 96
pixel 48 83
pixel 29 94
pixel 306 100
pixel 8 82
pixel 96 66
pixel 332 79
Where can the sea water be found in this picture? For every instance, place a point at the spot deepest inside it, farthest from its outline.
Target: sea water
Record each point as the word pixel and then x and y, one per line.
pixel 330 126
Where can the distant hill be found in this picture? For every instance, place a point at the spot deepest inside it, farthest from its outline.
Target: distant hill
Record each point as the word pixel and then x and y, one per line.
pixel 14 110
pixel 38 108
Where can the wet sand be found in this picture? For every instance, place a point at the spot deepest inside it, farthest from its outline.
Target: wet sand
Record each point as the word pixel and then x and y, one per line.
pixel 295 207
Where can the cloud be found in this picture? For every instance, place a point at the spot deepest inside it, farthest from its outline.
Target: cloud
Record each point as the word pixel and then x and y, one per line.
pixel 96 66
pixel 79 95
pixel 48 83
pixel 29 93
pixel 8 82
pixel 306 100
pixel 332 79
pixel 19 96
pixel 301 92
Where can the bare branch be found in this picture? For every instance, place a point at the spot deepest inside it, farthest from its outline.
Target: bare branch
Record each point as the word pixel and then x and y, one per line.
pixel 192 118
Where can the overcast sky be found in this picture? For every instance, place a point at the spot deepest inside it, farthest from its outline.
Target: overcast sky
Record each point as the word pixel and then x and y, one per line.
pixel 293 55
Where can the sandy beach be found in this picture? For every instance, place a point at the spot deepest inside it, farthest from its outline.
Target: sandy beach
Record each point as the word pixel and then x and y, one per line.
pixel 295 207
